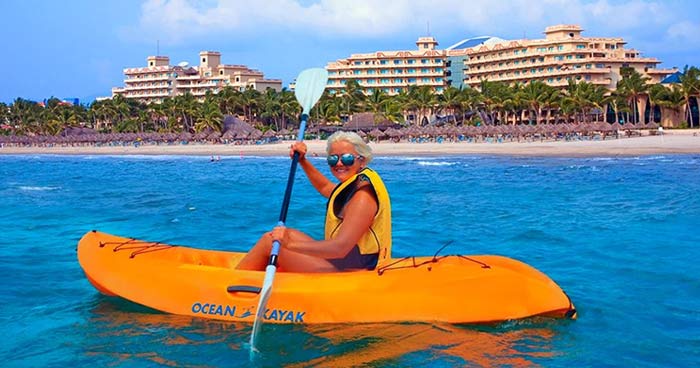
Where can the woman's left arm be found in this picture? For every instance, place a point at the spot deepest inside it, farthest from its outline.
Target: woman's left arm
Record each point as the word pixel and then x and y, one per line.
pixel 357 219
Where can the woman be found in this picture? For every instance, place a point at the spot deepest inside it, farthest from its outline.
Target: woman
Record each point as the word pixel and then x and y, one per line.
pixel 358 216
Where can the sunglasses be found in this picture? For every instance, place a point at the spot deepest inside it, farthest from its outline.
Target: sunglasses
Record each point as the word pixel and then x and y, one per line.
pixel 346 158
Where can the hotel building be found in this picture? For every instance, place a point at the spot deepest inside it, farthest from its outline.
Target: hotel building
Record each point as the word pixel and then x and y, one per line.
pixel 392 71
pixel 562 55
pixel 159 79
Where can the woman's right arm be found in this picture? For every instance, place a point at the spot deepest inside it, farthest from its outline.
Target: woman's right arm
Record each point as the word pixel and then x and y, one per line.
pixel 322 184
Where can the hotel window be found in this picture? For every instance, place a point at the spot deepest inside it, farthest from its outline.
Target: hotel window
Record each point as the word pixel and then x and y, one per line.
pixel 560 47
pixel 398 80
pixel 524 51
pixel 424 70
pixel 384 71
pixel 370 81
pixel 550 48
pixel 569 57
pixel 438 79
pixel 580 46
pixel 371 71
pixel 397 62
pixel 532 71
pixel 356 72
pixel 516 62
pixel 386 90
pixel 516 52
pixel 425 80
pixel 438 70
pixel 399 71
pixel 398 90
pixel 550 80
pixel 542 59
pixel 439 89
pixel 410 61
pixel 588 77
pixel 517 72
pixel 580 56
pixel 383 62
pixel 385 80
pixel 423 61
pixel 411 80
pixel 411 71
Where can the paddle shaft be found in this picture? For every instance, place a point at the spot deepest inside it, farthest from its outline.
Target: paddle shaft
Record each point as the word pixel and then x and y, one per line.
pixel 288 192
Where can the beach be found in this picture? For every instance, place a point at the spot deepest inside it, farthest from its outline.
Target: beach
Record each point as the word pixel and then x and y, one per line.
pixel 674 142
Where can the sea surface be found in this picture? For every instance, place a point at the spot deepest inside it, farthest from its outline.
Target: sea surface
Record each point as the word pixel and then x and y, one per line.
pixel 620 235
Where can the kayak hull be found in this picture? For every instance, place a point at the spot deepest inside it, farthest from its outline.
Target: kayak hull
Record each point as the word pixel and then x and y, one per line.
pixel 205 283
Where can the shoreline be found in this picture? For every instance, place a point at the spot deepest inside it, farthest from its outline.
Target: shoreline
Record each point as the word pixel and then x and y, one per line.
pixel 676 142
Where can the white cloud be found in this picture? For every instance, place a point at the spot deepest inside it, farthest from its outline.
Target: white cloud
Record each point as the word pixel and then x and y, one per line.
pixel 685 32
pixel 175 20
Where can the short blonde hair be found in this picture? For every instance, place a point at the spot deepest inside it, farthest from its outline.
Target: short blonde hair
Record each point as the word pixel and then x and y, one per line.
pixel 353 138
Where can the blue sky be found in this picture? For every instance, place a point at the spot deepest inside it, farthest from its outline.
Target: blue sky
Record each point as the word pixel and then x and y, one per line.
pixel 78 48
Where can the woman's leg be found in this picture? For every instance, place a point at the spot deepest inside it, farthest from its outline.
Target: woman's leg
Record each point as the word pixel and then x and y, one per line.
pixel 289 261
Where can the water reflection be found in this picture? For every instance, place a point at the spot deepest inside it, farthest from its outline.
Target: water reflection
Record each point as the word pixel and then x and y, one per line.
pixel 122 333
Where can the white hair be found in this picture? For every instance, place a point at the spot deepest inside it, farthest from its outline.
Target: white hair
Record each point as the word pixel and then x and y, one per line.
pixel 353 138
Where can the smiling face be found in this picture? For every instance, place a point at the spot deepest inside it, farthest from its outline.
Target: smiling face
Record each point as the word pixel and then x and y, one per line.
pixel 339 170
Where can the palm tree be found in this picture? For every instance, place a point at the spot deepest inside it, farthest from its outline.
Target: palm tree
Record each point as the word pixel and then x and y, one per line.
pixel 450 101
pixel 209 118
pixel 536 95
pixel 672 102
pixel 636 87
pixel 690 86
pixel 424 100
pixel 353 97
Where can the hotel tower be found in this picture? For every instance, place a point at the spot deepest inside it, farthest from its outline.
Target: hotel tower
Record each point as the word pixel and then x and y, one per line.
pixel 159 79
pixel 563 55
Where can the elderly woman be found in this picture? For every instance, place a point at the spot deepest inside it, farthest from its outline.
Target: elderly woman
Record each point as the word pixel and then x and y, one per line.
pixel 358 216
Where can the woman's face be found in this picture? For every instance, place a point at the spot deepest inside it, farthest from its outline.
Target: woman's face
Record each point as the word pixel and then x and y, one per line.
pixel 340 170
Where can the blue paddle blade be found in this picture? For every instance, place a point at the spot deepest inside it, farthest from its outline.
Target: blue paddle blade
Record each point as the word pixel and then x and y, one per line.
pixel 309 87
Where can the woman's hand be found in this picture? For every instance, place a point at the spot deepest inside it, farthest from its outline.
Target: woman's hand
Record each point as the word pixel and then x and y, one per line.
pixel 280 234
pixel 298 147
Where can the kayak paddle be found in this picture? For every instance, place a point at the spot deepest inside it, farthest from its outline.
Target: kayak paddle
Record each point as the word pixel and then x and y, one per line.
pixel 308 90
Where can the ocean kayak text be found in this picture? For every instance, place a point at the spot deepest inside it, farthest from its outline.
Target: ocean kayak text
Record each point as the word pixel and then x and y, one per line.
pixel 230 310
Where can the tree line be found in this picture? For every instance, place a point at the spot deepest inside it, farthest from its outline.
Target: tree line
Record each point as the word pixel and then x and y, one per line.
pixel 634 100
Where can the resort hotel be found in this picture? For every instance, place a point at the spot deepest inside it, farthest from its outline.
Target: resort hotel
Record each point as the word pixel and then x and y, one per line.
pixel 563 55
pixel 159 79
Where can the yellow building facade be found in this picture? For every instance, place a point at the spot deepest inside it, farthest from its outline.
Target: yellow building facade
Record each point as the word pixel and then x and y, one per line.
pixel 562 55
pixel 159 79
pixel 392 71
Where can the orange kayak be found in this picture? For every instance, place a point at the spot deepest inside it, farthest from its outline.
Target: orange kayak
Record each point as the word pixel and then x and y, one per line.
pixel 205 283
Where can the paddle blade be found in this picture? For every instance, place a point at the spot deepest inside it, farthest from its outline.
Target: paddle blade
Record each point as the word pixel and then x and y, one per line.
pixel 309 87
pixel 262 305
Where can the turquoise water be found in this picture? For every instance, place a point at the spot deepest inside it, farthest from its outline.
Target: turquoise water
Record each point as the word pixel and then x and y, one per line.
pixel 620 235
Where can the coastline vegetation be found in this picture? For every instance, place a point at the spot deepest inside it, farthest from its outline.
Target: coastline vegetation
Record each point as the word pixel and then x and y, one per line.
pixel 494 103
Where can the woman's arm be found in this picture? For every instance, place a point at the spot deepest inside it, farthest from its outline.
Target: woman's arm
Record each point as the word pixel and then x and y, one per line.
pixel 322 184
pixel 358 217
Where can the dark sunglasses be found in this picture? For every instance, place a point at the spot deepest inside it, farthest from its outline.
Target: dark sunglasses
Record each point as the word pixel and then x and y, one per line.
pixel 346 158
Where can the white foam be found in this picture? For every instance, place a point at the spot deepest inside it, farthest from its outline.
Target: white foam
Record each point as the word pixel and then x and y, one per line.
pixel 36 189
pixel 435 163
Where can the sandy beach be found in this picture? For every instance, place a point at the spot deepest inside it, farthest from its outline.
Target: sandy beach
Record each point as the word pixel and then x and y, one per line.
pixel 675 142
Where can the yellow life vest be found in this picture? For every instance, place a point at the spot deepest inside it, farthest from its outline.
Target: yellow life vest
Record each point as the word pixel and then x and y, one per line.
pixel 378 238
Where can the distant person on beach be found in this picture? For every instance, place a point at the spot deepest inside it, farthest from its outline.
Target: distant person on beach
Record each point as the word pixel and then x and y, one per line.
pixel 358 215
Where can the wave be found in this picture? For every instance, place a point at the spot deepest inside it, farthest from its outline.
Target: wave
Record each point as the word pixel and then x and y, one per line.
pixel 435 163
pixel 36 189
